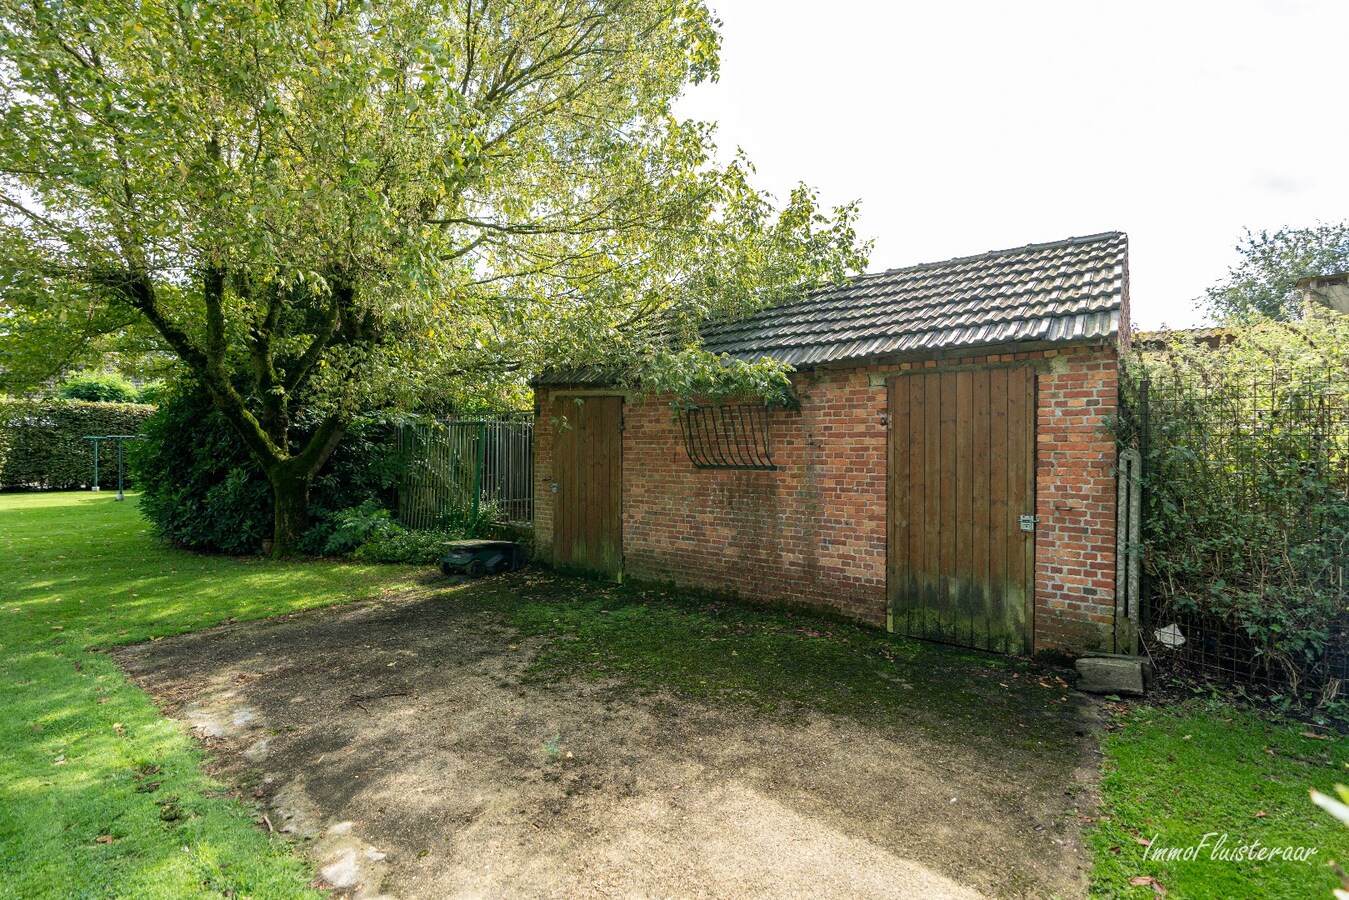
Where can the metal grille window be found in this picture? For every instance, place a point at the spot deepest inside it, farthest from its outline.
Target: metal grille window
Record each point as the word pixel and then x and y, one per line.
pixel 727 437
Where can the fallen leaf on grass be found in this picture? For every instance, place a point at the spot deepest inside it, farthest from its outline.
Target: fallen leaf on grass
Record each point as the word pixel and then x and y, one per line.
pixel 1149 881
pixel 1314 736
pixel 1146 842
pixel 1261 814
pixel 103 839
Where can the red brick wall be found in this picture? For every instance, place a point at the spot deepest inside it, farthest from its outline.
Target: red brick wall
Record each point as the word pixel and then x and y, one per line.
pixel 1075 496
pixel 814 531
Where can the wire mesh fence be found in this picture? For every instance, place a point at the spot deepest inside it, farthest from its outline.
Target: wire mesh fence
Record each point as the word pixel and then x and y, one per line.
pixel 459 468
pixel 1246 528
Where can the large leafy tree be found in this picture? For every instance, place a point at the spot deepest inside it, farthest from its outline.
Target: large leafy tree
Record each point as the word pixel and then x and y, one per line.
pixel 1261 284
pixel 320 205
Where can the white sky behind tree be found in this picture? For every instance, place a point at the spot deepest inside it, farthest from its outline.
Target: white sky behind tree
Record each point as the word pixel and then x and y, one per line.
pixel 976 125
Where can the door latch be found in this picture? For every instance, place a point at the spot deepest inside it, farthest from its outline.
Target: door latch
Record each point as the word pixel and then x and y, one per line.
pixel 1028 523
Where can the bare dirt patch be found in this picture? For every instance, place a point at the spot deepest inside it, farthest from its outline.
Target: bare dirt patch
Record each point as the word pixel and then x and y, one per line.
pixel 403 743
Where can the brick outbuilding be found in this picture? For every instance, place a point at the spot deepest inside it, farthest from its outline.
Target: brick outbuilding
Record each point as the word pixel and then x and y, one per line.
pixel 948 474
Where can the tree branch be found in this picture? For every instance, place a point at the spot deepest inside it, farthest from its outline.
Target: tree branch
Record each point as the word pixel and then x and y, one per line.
pixel 342 297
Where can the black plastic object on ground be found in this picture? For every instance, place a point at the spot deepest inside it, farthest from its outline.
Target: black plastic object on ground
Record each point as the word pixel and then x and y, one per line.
pixel 478 558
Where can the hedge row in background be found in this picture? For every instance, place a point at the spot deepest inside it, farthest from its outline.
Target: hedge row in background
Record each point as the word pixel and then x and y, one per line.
pixel 100 387
pixel 43 446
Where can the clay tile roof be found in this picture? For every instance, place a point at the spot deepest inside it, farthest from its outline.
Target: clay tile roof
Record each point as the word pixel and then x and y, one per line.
pixel 1069 291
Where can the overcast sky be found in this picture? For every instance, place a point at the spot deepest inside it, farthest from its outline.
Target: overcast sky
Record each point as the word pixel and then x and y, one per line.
pixel 977 125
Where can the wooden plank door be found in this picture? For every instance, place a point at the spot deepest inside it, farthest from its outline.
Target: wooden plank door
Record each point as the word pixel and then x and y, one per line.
pixel 588 468
pixel 962 474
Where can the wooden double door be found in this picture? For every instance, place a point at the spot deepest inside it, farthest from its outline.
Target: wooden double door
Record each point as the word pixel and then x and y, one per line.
pixel 961 560
pixel 588 472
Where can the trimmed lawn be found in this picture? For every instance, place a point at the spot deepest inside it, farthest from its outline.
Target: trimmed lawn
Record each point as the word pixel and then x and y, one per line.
pixel 99 794
pixel 1175 774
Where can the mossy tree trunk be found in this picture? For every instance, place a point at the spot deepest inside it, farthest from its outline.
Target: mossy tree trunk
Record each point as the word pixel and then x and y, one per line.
pixel 290 503
pixel 264 425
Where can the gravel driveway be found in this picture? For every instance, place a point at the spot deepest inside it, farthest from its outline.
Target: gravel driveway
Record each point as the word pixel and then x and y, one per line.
pixel 402 743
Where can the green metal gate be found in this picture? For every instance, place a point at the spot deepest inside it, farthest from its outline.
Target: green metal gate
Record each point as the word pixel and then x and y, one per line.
pixel 457 467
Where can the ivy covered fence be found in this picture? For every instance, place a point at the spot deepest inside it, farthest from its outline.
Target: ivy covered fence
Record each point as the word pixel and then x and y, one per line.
pixel 1246 493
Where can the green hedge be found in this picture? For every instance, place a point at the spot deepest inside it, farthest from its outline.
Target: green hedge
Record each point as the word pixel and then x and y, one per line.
pixel 99 387
pixel 42 445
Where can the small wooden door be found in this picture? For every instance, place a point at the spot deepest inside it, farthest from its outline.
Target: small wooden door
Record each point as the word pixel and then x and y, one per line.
pixel 961 569
pixel 588 469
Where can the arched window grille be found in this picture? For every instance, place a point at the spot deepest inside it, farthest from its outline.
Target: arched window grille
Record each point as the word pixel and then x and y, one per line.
pixel 727 437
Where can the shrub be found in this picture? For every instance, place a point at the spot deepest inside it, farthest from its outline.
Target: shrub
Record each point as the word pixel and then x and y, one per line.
pixel 99 387
pixel 412 547
pixel 203 491
pixel 353 527
pixel 42 445
pixel 1247 486
pixel 467 522
pixel 426 547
